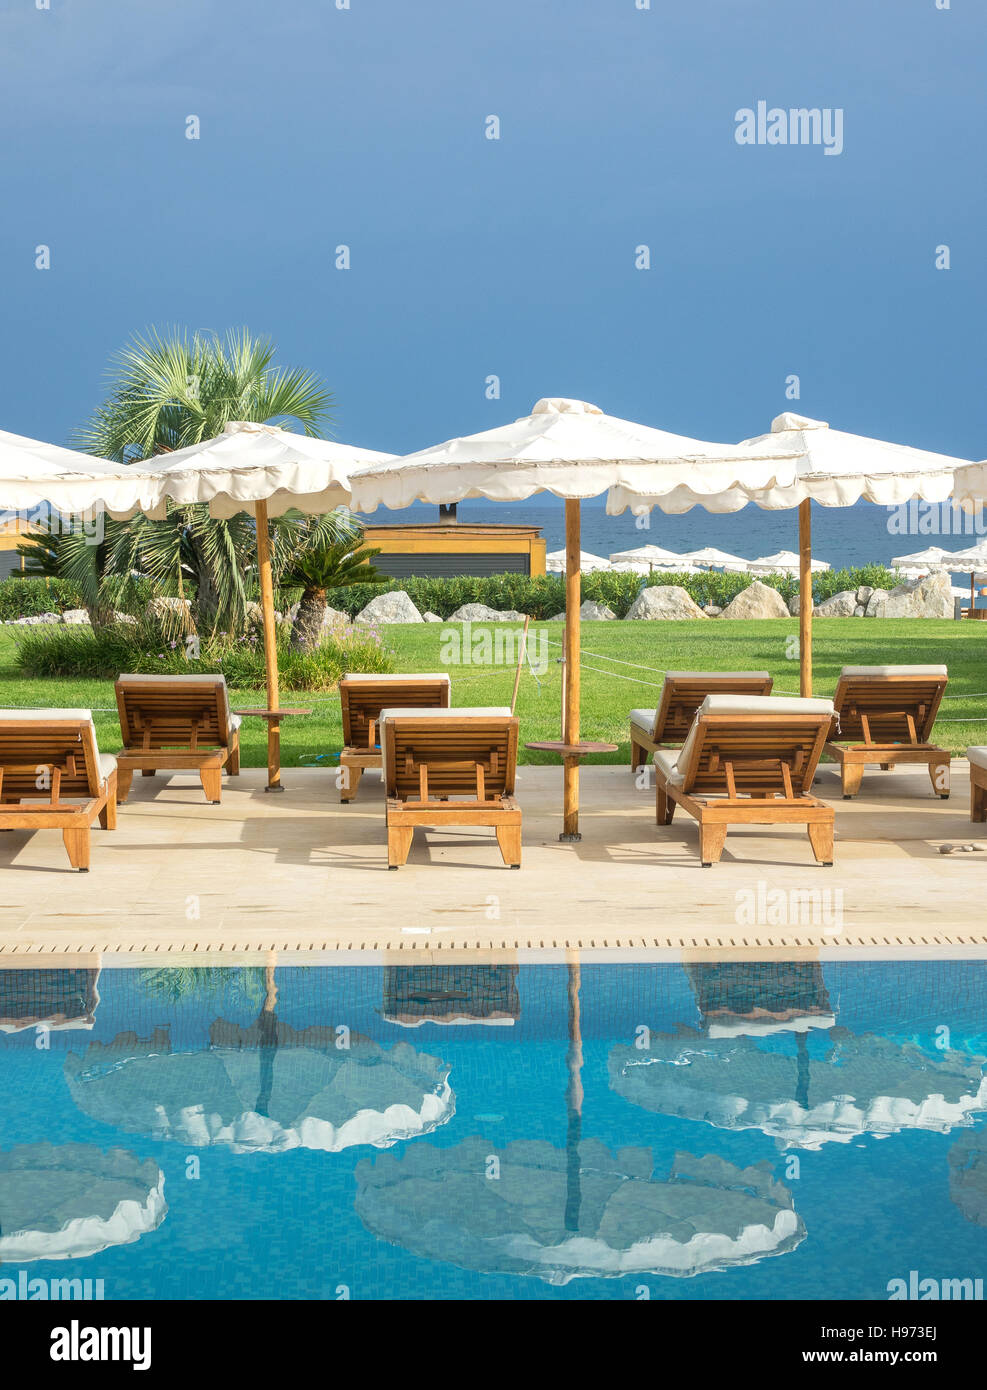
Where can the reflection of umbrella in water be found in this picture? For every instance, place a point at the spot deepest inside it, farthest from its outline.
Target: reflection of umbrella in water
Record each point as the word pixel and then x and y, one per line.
pixel 968 1176
pixel 451 994
pixel 54 999
pixel 60 1201
pixel 733 1076
pixel 264 1089
pixel 582 1212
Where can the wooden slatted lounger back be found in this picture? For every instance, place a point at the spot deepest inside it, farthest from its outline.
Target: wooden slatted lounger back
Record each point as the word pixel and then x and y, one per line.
pixel 362 697
pixel 681 695
pixel 748 760
pixel 885 716
pixel 445 767
pixel 53 776
pixel 175 724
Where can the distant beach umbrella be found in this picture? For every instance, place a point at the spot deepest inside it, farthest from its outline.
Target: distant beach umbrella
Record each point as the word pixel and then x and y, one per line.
pixel 711 558
pixel 573 450
pixel 933 558
pixel 648 555
pixel 783 562
pixel 66 1201
pixel 555 562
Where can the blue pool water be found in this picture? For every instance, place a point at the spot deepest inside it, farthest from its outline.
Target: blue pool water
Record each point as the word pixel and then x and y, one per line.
pixel 553 1101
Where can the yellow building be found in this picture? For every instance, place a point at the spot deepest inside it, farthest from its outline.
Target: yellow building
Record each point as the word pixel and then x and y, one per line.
pixel 443 549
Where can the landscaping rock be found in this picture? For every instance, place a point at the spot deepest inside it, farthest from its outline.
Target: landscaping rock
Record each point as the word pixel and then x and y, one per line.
pixel 127 619
pixel 667 601
pixel 75 617
pixel 36 620
pixel 841 605
pixel 480 613
pixel 175 611
pixel 335 617
pixel 394 607
pixel 877 603
pixel 556 618
pixel 254 614
pixel 713 610
pixel 931 597
pixel 757 601
pixel 432 618
pixel 860 611
pixel 863 594
pixel 596 612
pixel 795 605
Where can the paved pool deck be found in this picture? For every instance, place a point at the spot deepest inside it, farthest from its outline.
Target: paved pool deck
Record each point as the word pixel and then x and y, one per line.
pixel 301 873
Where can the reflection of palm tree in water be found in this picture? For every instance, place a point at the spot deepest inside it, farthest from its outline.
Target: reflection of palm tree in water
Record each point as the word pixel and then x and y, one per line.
pixel 574 1101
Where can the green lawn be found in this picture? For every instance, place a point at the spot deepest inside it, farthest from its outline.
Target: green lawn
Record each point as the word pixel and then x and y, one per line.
pixel 609 689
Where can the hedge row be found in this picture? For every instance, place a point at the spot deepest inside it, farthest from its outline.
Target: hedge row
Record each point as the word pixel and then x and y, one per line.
pixel 544 596
pixel 28 598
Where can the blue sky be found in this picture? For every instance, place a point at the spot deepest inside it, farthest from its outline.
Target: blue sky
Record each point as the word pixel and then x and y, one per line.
pixel 515 257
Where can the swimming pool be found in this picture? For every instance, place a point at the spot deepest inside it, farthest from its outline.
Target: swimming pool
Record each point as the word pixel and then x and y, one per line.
pixel 534 1131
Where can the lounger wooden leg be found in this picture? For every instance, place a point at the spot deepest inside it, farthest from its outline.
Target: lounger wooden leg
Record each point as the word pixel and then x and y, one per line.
pixel 639 756
pixel 978 802
pixel 399 839
pixel 108 815
pixel 664 806
pixel 711 841
pixel 853 775
pixel 939 776
pixel 887 767
pixel 77 847
pixel 350 781
pixel 149 772
pixel 233 766
pixel 821 840
pixel 212 783
pixel 509 840
pixel 125 775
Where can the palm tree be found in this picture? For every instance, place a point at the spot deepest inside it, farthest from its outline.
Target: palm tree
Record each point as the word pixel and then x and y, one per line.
pixel 169 391
pixel 320 563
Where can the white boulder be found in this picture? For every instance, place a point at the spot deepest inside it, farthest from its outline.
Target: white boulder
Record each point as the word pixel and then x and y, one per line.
pixel 757 601
pixel 393 607
pixel 665 601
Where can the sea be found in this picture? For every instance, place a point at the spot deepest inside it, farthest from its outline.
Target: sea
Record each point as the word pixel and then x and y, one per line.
pixel 841 536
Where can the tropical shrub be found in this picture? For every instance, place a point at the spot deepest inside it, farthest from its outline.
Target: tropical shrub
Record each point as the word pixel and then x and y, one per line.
pixel 101 653
pixel 29 597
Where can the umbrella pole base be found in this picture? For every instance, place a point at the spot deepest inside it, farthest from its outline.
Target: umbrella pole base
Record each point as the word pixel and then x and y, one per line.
pixel 570 837
pixel 274 787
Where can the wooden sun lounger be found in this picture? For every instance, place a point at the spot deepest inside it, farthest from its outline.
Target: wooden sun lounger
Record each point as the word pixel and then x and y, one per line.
pixel 362 698
pixel 51 756
pixel 978 783
pixel 748 760
pixel 433 757
pixel 884 716
pixel 681 695
pixel 174 724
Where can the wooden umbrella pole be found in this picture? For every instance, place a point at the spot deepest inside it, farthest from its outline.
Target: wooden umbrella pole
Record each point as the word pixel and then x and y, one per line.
pixel 520 660
pixel 805 598
pixel 270 647
pixel 570 765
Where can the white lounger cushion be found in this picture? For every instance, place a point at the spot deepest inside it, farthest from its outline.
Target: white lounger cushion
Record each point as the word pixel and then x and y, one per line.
pixel 411 676
pixel 977 755
pixel 106 762
pixel 717 675
pixel 665 760
pixel 644 719
pixel 878 672
pixel 741 704
pixel 433 712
